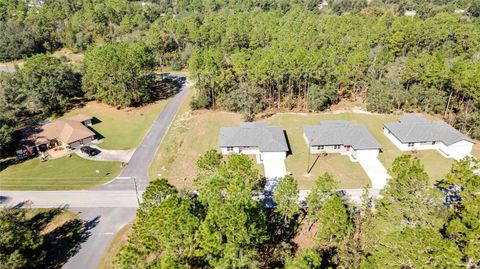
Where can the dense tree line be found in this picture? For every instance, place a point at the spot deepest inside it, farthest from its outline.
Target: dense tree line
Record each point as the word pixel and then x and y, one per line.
pixel 43 87
pixel 222 226
pixel 303 61
pixel 248 56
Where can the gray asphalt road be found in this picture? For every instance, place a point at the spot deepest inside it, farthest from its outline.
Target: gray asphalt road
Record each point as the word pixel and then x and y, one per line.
pixel 107 208
pixel 101 225
pixel 136 172
pixel 87 199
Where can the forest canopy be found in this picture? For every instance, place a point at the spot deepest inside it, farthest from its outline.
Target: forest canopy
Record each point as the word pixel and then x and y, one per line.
pixel 252 56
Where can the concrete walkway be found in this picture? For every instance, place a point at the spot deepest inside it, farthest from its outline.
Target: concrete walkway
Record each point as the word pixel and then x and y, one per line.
pixel 108 155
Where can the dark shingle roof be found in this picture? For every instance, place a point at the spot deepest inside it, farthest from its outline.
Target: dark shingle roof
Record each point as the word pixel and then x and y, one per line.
pixel 423 130
pixel 340 132
pixel 266 138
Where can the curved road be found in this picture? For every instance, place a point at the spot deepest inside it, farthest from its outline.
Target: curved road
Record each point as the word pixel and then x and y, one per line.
pixel 108 208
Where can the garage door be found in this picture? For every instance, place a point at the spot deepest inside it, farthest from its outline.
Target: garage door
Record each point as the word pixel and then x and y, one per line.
pixel 274 168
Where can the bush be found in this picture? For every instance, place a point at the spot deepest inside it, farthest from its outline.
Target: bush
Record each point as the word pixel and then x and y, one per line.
pixel 200 102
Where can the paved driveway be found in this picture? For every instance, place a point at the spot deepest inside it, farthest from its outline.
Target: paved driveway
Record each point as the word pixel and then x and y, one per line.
pixel 108 155
pixel 274 168
pixel 109 207
pixel 375 170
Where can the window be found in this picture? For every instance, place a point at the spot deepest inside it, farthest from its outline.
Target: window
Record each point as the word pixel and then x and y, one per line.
pixel 320 147
pixel 229 149
pixel 336 147
pixel 411 144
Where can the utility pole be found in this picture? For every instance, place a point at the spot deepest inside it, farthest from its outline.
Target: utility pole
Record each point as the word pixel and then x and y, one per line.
pixel 308 162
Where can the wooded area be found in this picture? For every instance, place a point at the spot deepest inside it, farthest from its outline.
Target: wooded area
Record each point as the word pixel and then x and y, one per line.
pixel 251 56
pixel 221 226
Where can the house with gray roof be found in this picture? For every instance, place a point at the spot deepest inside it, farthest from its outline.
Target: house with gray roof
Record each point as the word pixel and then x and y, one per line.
pixel 340 136
pixel 351 139
pixel 414 132
pixel 253 138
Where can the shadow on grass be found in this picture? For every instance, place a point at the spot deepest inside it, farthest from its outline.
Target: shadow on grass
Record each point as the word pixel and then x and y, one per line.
pixel 65 241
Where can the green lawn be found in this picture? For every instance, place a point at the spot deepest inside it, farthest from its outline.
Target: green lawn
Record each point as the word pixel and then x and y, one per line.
pixel 121 128
pixel 349 174
pixel 193 133
pixel 60 174
pixel 190 135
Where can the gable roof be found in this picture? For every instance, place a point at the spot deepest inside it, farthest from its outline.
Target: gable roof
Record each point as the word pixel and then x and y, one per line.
pixel 67 131
pixel 81 117
pixel 423 130
pixel 266 138
pixel 340 132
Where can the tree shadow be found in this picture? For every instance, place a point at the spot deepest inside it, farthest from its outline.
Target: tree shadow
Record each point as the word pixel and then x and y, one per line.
pixel 65 241
pixel 164 86
pixel 41 219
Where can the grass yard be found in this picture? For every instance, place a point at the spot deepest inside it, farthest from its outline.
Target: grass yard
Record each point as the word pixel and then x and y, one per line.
pixel 347 173
pixel 190 135
pixel 61 174
pixel 121 128
pixel 193 133
pixel 350 175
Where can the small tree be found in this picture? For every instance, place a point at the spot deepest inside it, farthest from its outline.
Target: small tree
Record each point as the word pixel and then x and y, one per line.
pixel 286 198
pixel 323 189
pixel 332 222
pixel 320 97
pixel 246 99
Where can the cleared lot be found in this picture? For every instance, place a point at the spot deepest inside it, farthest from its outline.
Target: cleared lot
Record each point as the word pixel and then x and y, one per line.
pixel 195 132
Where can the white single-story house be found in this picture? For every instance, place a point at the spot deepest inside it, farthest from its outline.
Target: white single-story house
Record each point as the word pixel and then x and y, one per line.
pixel 257 139
pixel 267 143
pixel 342 137
pixel 413 132
pixel 351 139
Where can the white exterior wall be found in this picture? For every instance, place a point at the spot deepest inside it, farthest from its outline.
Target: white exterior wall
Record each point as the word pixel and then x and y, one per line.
pixel 366 153
pixel 238 150
pixel 395 141
pixel 405 147
pixel 260 156
pixel 328 149
pixel 274 155
pixel 458 150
